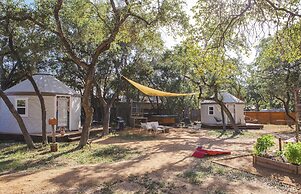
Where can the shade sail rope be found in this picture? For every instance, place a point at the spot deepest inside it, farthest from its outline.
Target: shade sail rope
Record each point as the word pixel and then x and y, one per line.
pixel 153 92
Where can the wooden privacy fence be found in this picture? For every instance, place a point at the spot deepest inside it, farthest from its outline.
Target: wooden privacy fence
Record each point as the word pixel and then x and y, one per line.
pixel 277 118
pixel 195 114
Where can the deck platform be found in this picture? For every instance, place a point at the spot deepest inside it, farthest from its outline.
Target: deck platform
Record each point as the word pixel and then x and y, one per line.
pixel 69 136
pixel 246 126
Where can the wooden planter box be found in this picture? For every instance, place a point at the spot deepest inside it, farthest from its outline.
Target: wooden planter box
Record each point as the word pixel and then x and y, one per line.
pixel 276 165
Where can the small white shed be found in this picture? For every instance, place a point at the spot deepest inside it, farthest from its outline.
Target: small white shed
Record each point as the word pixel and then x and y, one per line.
pixel 61 102
pixel 211 114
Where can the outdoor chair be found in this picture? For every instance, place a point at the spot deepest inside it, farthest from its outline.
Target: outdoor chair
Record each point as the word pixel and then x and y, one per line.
pixel 146 126
pixel 156 127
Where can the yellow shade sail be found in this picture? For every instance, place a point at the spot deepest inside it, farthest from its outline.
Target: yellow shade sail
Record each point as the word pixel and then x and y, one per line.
pixel 153 92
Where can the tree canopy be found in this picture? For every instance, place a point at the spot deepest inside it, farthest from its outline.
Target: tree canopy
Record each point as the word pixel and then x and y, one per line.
pixel 90 44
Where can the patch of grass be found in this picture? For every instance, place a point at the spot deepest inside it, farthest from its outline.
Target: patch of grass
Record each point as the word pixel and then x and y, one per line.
pixel 230 133
pixel 113 153
pixel 99 154
pixel 220 133
pixel 219 170
pixel 149 184
pixel 145 183
pixel 248 134
pixel 194 176
pixel 16 156
pixel 207 168
pixel 106 189
pixel 211 169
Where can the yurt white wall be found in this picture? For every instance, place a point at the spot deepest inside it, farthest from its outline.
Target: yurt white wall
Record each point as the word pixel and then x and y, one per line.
pixel 240 115
pixel 209 119
pixel 214 116
pixel 51 88
pixel 33 120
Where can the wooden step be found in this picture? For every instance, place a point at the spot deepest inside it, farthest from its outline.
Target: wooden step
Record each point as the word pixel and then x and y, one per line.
pixel 77 138
pixel 76 134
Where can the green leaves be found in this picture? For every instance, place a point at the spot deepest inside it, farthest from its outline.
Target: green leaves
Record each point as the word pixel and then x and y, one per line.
pixel 293 153
pixel 276 69
pixel 263 143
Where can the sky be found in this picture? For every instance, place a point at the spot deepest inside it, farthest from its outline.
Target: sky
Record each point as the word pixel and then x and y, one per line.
pixel 29 1
pixel 171 41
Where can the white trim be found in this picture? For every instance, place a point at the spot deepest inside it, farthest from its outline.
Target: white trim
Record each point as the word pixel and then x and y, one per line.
pixel 211 110
pixel 70 113
pixel 234 113
pixel 55 109
pixel 26 105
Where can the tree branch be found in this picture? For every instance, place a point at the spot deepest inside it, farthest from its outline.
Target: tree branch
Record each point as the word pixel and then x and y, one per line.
pixel 62 37
pixel 282 9
pixel 105 44
pixel 233 20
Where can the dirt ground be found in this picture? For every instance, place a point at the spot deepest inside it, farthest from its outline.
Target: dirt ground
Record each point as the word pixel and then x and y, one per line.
pixel 245 163
pixel 158 169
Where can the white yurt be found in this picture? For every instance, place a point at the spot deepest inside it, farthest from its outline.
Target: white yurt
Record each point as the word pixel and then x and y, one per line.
pixel 211 114
pixel 61 102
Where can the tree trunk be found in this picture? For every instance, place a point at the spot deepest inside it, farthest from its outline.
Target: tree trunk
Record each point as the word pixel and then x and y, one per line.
pixel 297 103
pixel 158 108
pixel 107 105
pixel 43 109
pixel 19 119
pixel 257 106
pixel 86 103
pixel 106 118
pixel 223 118
pixel 229 115
pixel 1 71
pixel 286 107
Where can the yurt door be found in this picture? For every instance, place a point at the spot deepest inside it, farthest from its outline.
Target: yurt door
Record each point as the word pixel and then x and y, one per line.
pixel 63 111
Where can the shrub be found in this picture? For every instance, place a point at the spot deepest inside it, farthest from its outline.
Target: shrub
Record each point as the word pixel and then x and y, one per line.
pixel 263 143
pixel 293 153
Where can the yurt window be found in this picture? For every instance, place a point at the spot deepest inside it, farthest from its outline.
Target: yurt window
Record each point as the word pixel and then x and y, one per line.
pixel 22 106
pixel 210 110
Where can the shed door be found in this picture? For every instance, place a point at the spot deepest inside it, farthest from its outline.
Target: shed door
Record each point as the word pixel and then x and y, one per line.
pixel 63 111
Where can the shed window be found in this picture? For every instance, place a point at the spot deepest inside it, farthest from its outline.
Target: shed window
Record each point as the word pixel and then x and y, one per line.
pixel 210 110
pixel 22 107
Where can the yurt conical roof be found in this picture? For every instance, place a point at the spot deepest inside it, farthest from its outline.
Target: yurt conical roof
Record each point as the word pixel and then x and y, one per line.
pixel 47 84
pixel 227 98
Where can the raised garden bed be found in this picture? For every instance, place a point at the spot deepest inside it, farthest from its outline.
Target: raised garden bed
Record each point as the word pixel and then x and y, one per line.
pixel 276 165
